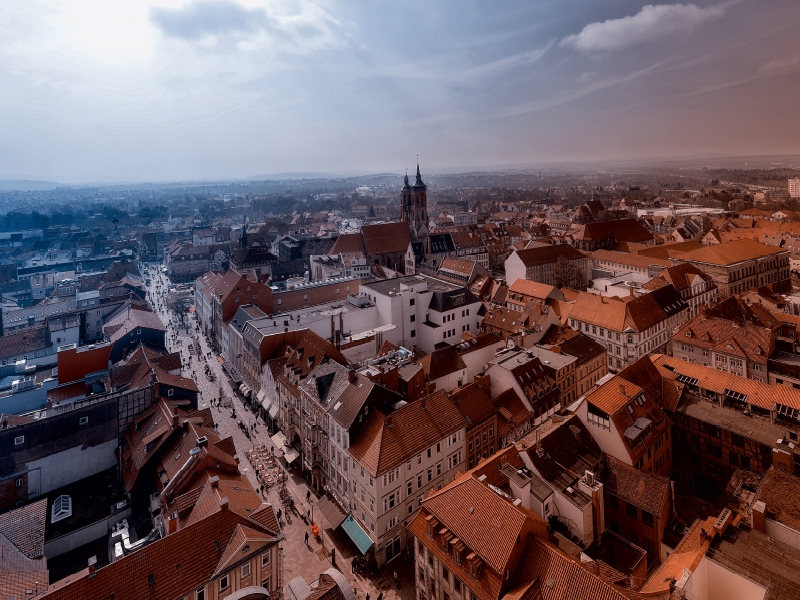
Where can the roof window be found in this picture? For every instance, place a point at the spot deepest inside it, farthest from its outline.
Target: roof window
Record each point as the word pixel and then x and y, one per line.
pixel 62 508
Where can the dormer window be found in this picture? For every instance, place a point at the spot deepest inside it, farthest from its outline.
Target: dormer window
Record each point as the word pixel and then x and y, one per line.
pixel 475 564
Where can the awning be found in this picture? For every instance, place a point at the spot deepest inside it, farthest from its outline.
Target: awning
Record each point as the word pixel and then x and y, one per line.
pixel 244 390
pixel 220 359
pixel 290 454
pixel 273 411
pixel 358 535
pixel 331 510
pixel 278 439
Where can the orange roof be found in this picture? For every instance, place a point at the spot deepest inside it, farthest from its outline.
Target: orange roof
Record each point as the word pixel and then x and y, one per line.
pixel 385 442
pixel 687 555
pixel 613 395
pixel 759 394
pixel 732 252
pixel 534 289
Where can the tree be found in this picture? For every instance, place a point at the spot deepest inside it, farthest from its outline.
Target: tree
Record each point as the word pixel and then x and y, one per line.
pixel 567 273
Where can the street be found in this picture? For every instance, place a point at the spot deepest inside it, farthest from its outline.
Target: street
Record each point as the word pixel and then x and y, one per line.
pixel 308 560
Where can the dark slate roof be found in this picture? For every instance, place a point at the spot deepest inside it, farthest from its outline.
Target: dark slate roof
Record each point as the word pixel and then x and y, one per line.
pixel 548 254
pixel 450 300
pixel 441 242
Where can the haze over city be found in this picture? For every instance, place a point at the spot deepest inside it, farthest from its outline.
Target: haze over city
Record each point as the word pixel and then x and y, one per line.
pixel 169 89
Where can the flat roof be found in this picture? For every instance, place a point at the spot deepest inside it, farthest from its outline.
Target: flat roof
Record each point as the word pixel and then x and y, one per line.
pixel 753 427
pixel 387 286
pixel 766 561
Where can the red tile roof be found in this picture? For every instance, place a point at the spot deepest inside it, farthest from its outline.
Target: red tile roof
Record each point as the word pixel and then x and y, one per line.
pixel 386 442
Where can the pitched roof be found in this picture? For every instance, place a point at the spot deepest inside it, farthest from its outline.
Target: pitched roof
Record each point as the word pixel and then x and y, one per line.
pixel 386 442
pixel 485 521
pixel 621 314
pixel 687 555
pixel 441 362
pixel 622 230
pixel 534 289
pixel 559 577
pixel 30 340
pixel 167 568
pixel 386 237
pixel 730 253
pixel 473 403
pixel 648 491
pixel 762 395
pixel 24 528
pixel 548 254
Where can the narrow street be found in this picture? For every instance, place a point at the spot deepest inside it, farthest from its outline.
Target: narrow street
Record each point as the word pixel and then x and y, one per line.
pixel 309 560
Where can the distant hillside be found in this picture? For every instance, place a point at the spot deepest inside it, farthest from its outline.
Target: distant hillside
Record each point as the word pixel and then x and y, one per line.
pixel 27 185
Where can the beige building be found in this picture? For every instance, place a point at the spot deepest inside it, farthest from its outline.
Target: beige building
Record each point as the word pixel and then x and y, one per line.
pixel 739 265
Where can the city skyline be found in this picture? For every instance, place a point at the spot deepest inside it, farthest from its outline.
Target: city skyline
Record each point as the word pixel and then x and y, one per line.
pixel 221 89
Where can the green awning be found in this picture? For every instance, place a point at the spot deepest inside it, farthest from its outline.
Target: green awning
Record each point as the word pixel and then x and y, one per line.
pixel 358 535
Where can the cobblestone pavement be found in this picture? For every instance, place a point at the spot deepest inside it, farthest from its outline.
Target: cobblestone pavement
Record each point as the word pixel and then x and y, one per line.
pixel 309 560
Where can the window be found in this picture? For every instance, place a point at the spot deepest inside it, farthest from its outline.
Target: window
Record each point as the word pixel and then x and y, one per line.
pixel 246 570
pixel 170 392
pixel 409 488
pixel 612 501
pixel 430 475
pixel 200 594
pixel 413 318
pixel 223 583
pixel 457 584
pixel 83 420
pixel 648 519
pixel 413 333
pixel 631 511
pixel 265 559
pixel 19 481
pixel 19 440
pixel 445 574
pixel 411 302
pixel 62 509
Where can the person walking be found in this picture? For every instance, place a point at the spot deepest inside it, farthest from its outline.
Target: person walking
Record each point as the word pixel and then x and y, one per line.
pixel 306 539
pixel 380 596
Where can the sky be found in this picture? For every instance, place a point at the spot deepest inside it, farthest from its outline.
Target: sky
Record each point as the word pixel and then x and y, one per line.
pixel 164 90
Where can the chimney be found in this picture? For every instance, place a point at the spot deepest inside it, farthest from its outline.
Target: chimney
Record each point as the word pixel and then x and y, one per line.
pixel 759 513
pixel 202 441
pixel 175 419
pixel 223 503
pixel 389 421
pixel 622 390
pixel 92 565
pixel 214 481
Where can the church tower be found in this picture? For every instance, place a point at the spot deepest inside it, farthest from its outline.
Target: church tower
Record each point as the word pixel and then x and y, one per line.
pixel 405 201
pixel 414 206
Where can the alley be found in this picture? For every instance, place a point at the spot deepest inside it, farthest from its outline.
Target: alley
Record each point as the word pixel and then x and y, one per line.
pixel 309 560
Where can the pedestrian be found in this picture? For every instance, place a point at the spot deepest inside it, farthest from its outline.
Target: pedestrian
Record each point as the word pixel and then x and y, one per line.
pixel 380 596
pixel 367 596
pixel 395 578
pixel 306 540
pixel 308 495
pixel 353 566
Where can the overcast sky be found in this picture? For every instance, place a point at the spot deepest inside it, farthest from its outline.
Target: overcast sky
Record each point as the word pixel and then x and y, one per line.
pixel 169 89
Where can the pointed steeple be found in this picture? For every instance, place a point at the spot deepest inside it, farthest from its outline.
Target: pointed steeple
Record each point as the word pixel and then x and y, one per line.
pixel 418 184
pixel 243 240
pixel 406 185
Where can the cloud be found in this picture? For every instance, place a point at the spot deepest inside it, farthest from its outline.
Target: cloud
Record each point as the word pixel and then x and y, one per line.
pixel 208 18
pixel 653 21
